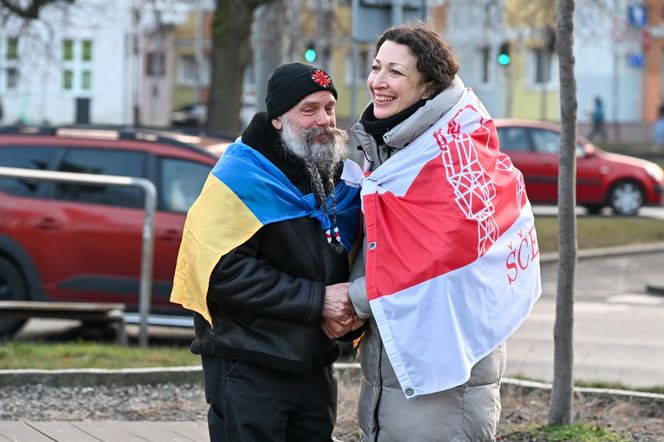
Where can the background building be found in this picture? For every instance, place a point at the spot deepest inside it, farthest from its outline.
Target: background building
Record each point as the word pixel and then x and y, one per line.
pixel 128 62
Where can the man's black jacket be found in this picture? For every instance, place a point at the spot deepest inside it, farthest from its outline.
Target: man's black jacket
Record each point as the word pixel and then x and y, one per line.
pixel 266 296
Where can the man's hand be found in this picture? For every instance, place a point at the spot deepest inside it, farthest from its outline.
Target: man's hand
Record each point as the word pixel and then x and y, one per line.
pixel 334 329
pixel 337 304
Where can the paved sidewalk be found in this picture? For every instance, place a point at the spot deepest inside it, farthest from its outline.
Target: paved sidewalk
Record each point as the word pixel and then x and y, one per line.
pixel 106 431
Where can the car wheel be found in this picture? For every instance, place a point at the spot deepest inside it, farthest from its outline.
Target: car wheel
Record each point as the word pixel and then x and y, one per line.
pixel 594 209
pixel 626 198
pixel 12 288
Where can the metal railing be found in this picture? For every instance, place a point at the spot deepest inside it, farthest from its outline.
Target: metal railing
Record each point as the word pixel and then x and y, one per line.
pixel 150 204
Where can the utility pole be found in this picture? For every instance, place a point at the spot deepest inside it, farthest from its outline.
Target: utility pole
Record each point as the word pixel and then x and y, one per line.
pixel 397 12
pixel 199 55
pixel 324 31
pixel 616 81
pixel 136 51
pixel 157 67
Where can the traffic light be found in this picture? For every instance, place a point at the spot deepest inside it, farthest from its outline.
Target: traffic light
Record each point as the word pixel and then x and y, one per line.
pixel 504 58
pixel 310 54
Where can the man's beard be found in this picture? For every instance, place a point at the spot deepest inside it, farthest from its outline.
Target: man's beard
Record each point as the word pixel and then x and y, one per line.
pixel 305 145
pixel 321 159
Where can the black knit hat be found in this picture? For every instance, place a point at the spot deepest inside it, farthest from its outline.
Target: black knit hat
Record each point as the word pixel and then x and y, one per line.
pixel 289 83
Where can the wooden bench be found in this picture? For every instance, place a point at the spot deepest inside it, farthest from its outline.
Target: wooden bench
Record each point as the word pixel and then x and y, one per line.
pixel 83 311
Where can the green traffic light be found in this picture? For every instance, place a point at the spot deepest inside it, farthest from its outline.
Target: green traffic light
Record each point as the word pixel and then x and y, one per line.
pixel 310 55
pixel 504 59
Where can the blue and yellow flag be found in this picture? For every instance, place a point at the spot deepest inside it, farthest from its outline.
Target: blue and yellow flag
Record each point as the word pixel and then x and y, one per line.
pixel 244 192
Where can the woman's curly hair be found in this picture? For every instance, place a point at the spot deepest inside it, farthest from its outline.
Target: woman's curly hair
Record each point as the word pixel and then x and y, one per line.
pixel 435 59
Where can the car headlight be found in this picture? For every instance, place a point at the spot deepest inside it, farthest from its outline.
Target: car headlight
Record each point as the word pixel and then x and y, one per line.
pixel 655 172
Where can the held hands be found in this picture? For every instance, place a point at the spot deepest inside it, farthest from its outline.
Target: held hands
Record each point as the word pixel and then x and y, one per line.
pixel 338 313
pixel 337 304
pixel 334 329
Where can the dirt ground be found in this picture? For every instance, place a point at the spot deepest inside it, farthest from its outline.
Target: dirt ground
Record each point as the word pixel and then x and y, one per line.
pixel 636 420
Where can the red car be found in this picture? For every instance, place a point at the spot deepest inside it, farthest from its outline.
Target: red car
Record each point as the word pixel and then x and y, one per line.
pixel 76 242
pixel 602 179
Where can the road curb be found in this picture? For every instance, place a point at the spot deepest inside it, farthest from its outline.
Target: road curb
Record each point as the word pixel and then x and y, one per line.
pixel 194 375
pixel 605 252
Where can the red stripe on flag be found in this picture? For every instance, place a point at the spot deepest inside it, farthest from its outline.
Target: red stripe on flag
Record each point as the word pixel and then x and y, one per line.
pixel 427 232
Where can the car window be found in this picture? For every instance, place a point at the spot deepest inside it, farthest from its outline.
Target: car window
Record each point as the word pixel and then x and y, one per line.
pixel 513 139
pixel 546 141
pixel 180 182
pixel 25 157
pixel 102 162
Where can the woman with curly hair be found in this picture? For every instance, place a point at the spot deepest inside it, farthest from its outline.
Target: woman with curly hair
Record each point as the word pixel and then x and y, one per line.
pixel 450 264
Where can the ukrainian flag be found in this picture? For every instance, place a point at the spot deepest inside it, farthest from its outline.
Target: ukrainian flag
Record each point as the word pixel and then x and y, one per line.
pixel 244 192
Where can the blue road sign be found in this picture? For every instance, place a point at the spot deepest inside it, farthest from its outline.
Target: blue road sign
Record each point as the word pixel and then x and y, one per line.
pixel 637 15
pixel 636 60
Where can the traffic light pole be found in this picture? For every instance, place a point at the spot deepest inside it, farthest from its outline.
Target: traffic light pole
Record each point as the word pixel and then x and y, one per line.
pixel 510 89
pixel 397 12
pixel 353 84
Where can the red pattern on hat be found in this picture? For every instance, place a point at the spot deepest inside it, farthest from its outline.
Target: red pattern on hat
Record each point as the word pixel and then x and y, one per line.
pixel 321 78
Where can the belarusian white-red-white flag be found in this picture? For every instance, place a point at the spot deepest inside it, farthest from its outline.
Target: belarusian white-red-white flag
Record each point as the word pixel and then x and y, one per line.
pixel 452 258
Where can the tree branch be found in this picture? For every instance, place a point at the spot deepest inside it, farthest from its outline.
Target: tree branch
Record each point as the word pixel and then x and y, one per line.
pixel 31 11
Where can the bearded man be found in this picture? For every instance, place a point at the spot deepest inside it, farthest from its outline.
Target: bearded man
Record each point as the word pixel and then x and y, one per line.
pixel 263 265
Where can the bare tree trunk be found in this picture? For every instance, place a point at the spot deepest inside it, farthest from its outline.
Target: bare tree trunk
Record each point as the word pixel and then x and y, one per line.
pixel 231 52
pixel 560 408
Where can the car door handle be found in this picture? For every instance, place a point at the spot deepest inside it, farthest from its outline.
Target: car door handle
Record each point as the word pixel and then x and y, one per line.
pixel 171 235
pixel 48 223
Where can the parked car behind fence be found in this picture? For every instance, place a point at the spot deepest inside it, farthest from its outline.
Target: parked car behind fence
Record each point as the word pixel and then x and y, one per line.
pixel 82 243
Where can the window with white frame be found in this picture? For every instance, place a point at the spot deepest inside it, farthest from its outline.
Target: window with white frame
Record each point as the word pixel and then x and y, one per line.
pixel 68 50
pixel 77 72
pixel 541 67
pixel 155 64
pixel 12 78
pixel 86 80
pixel 86 50
pixel 10 63
pixel 67 79
pixel 188 73
pixel 12 48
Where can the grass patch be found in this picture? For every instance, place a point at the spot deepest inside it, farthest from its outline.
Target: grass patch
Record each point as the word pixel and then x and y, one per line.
pixel 18 355
pixel 601 231
pixel 560 433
